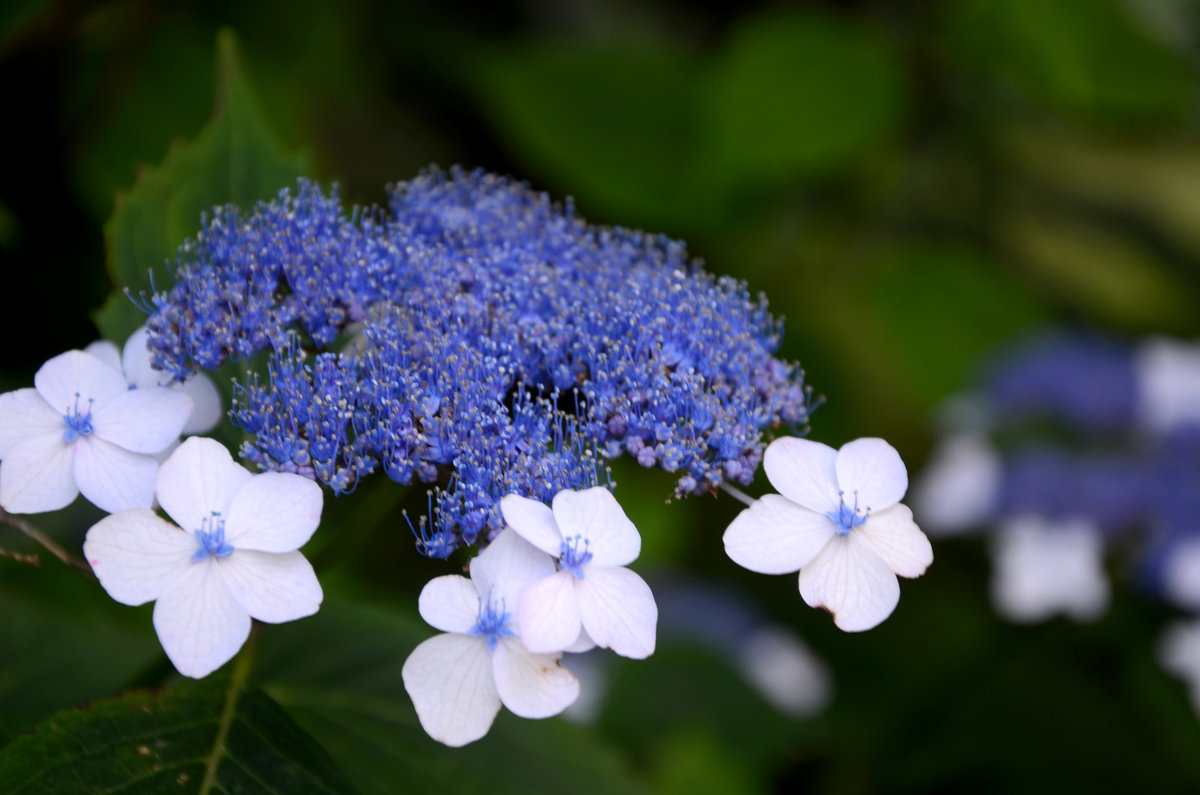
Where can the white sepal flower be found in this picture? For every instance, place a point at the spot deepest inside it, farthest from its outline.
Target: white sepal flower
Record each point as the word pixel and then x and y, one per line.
pixel 592 598
pixel 234 559
pixel 839 522
pixel 133 362
pixel 81 429
pixel 458 680
pixel 1168 380
pixel 960 486
pixel 1042 568
pixel 1179 654
pixel 1181 574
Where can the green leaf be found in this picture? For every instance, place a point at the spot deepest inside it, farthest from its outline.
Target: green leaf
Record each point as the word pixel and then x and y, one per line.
pixel 234 160
pixel 613 126
pixel 199 737
pixel 801 94
pixel 1089 57
pixel 338 675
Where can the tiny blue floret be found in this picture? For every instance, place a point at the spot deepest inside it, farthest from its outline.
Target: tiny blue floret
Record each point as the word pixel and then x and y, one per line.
pixel 211 536
pixel 492 623
pixel 574 556
pixel 78 424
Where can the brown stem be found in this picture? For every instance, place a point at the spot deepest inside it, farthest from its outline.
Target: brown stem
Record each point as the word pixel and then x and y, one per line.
pixel 46 542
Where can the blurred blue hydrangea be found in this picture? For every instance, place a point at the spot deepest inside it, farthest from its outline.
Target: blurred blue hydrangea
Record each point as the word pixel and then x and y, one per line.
pixel 478 337
pixel 1075 434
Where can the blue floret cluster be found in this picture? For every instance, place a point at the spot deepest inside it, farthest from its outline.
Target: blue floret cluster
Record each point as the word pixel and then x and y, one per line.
pixel 478 337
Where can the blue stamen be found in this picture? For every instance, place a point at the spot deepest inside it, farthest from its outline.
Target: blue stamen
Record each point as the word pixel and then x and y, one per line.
pixel 492 623
pixel 847 518
pixel 572 558
pixel 211 536
pixel 78 424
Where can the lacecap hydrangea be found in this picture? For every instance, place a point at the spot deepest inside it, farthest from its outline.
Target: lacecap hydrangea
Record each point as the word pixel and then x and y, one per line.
pixel 479 337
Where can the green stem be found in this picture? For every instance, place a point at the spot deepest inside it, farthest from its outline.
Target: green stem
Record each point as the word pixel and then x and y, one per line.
pixel 46 542
pixel 237 683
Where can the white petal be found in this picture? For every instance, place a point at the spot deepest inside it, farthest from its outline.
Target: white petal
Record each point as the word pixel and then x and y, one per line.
pixel 272 587
pixel 449 603
pixel 38 474
pixel 136 555
pixel 596 515
pixel 111 478
pixel 507 567
pixel 533 521
pixel 1181 577
pixel 273 512
pixel 1044 568
pixel 207 400
pixel 618 610
pixel 871 471
pixel 199 622
pixel 776 536
pixel 1168 378
pixel 785 671
pixel 895 537
pixel 852 582
pixel 106 352
pixel 803 471
pixel 449 679
pixel 135 363
pixel 24 414
pixel 200 477
pixel 583 643
pixel 532 685
pixel 142 420
pixel 548 614
pixel 74 373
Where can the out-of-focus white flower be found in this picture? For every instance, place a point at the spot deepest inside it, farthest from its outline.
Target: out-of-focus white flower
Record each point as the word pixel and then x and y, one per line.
pixel 233 556
pixel 1168 378
pixel 786 672
pixel 1179 653
pixel 839 522
pixel 1181 574
pixel 82 429
pixel 959 488
pixel 1043 568
pixel 134 364
pixel 458 680
pixel 592 598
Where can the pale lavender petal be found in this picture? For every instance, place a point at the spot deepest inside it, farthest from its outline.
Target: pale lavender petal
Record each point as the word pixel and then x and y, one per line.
pixel 38 474
pixel 449 603
pixel 450 681
pixel 533 521
pixel 271 587
pixel 136 555
pixel 199 478
pixel 507 566
pixel 548 614
pixel 618 610
pixel 871 471
pixel 804 472
pixel 273 512
pixel 142 420
pixel 111 478
pixel 895 537
pixel 776 536
pixel 849 580
pixel 200 624
pixel 532 685
pixel 596 515
pixel 71 379
pixel 25 414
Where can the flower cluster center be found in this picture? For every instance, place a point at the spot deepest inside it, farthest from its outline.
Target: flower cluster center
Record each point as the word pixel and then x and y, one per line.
pixel 574 555
pixel 492 623
pixel 211 536
pixel 846 518
pixel 78 423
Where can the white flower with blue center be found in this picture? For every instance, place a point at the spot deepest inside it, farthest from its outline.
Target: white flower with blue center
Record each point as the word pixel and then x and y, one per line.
pixel 458 680
pixel 232 557
pixel 133 362
pixel 592 599
pixel 82 429
pixel 838 521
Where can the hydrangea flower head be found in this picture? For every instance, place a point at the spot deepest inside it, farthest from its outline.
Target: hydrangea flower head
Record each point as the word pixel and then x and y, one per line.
pixel 232 557
pixel 82 429
pixel 839 522
pixel 507 346
pixel 592 598
pixel 458 680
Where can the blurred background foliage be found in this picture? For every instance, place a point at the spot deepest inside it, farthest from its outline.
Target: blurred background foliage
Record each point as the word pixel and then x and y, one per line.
pixel 910 184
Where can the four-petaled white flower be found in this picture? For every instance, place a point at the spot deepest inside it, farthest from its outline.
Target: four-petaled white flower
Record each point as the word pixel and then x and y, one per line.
pixel 1179 653
pixel 82 429
pixel 592 598
pixel 1042 568
pixel 234 559
pixel 839 522
pixel 133 362
pixel 458 680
